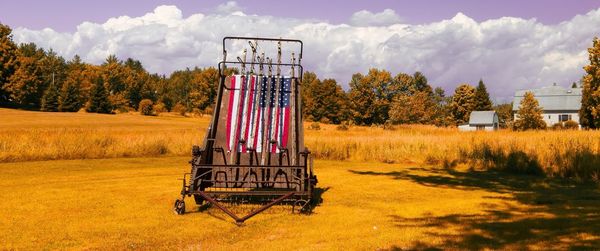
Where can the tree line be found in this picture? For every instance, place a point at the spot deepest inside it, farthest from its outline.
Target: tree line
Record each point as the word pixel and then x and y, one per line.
pixel 380 98
pixel 34 78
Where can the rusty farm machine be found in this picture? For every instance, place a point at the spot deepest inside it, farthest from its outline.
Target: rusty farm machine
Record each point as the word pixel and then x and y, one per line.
pixel 254 150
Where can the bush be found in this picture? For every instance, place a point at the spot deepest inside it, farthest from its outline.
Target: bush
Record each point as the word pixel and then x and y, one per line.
pixel 558 126
pixel 325 120
pixel 197 112
pixel 146 107
pixel 570 124
pixel 314 126
pixel 389 126
pixel 208 111
pixel 119 103
pixel 160 108
pixel 344 126
pixel 179 108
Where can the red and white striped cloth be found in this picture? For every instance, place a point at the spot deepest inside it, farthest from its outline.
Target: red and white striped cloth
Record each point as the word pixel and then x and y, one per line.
pixel 255 113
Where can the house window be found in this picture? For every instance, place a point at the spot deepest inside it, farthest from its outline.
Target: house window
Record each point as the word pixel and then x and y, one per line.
pixel 549 117
pixel 564 117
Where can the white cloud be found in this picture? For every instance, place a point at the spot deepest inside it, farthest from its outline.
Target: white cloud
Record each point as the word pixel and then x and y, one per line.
pixel 367 18
pixel 228 7
pixel 508 53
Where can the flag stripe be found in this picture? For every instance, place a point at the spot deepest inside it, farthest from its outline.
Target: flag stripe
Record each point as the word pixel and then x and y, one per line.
pixel 230 113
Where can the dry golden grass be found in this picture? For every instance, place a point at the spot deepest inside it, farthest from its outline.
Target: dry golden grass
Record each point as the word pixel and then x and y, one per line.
pixel 28 135
pixel 571 154
pixel 126 203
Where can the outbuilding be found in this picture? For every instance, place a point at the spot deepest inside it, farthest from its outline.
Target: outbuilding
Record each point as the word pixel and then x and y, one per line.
pixel 481 121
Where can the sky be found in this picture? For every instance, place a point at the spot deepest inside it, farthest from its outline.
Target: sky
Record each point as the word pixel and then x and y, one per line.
pixel 509 44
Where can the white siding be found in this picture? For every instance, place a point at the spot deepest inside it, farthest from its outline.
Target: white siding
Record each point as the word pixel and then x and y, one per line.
pixel 552 118
pixel 472 128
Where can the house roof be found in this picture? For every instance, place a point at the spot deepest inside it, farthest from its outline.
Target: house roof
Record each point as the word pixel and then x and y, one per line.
pixel 482 118
pixel 552 98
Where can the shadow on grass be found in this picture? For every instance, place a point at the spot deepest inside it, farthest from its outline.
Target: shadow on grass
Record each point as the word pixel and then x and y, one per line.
pixel 557 214
pixel 574 162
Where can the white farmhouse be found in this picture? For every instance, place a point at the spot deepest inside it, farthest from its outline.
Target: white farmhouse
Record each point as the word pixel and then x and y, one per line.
pixel 558 104
pixel 481 121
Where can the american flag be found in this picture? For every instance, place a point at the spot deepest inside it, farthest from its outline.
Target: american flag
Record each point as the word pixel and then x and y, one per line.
pixel 257 115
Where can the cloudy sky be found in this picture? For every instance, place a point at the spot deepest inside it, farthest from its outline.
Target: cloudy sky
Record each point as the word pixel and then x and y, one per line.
pixel 510 44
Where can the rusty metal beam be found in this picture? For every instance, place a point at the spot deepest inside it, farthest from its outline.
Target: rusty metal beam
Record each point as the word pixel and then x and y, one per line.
pixel 265 207
pixel 237 219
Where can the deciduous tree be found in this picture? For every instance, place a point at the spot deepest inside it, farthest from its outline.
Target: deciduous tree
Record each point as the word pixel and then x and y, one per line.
pixel 590 102
pixel 416 108
pixel 26 85
pixel 529 115
pixel 463 103
pixel 505 114
pixel 371 96
pixel 8 60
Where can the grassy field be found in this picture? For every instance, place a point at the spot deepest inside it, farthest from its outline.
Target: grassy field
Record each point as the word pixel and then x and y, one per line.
pixel 126 204
pixel 90 181
pixel 28 135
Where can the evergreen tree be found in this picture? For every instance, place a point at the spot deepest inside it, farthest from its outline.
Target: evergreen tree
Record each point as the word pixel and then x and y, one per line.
pixel 114 75
pixel 574 85
pixel 482 98
pixel 134 81
pixel 70 95
pixel 8 60
pixel 420 83
pixel 52 68
pixel 99 102
pixel 441 112
pixel 462 104
pixel 50 98
pixel 589 113
pixel 529 115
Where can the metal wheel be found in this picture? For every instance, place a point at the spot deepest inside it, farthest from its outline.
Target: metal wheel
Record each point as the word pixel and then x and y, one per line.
pixel 179 207
pixel 300 206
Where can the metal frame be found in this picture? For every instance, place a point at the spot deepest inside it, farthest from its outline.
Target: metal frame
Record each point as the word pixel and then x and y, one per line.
pixel 200 182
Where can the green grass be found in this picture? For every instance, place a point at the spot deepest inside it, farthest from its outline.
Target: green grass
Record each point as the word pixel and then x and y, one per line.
pixel 125 203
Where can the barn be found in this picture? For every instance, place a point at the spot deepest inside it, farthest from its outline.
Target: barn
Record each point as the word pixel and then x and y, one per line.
pixel 481 121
